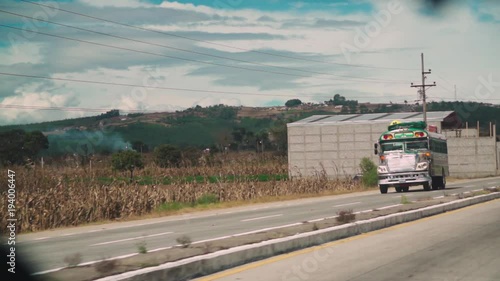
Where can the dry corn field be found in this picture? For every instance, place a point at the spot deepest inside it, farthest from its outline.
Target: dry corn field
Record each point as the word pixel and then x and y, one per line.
pixel 57 196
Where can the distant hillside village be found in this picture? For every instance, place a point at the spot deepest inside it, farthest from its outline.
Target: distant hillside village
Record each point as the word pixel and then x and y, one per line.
pixel 218 127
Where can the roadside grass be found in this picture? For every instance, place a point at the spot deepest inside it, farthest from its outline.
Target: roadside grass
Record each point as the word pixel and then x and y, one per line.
pixel 142 247
pixel 148 180
pixel 73 260
pixel 178 208
pixel 346 216
pixel 204 201
pixel 404 200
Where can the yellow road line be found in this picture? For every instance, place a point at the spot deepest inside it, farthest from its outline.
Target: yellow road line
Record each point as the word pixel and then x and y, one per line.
pixel 271 260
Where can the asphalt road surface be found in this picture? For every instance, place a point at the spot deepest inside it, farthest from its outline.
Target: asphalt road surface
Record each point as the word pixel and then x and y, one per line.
pixel 460 245
pixel 46 250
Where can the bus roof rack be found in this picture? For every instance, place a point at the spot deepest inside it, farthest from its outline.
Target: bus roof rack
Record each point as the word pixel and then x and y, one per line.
pixel 415 125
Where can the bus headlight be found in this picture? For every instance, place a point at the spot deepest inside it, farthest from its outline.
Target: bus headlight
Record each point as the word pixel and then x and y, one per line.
pixel 422 166
pixel 382 169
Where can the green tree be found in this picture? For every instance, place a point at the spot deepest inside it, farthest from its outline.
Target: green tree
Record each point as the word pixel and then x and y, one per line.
pixel 339 100
pixel 167 155
pixel 17 145
pixel 127 160
pixel 140 146
pixel 228 113
pixel 12 147
pixel 293 103
pixel 279 137
pixel 34 142
pixel 190 156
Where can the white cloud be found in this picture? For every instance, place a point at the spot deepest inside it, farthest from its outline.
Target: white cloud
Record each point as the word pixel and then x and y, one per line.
pixel 208 101
pixel 36 99
pixel 457 47
pixel 116 3
pixel 21 52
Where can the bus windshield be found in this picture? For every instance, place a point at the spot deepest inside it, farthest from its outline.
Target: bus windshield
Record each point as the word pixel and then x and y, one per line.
pixel 417 145
pixel 405 146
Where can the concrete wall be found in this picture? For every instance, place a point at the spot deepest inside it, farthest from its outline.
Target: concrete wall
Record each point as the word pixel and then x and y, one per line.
pixel 334 148
pixel 463 133
pixel 498 158
pixel 472 157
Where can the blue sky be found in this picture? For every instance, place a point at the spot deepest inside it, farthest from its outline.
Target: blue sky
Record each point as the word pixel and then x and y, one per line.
pixel 342 6
pixel 240 52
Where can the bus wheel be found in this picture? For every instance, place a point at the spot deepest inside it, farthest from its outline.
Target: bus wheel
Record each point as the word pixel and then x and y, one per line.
pixel 427 186
pixel 436 183
pixel 399 189
pixel 405 189
pixel 383 189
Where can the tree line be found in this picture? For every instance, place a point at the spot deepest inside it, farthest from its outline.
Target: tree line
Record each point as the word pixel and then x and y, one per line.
pixel 18 147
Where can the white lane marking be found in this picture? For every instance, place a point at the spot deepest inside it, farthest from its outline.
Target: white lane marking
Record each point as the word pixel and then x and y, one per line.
pixel 165 248
pixel 399 196
pixel 48 271
pixel 480 189
pixel 261 218
pixel 41 238
pixel 468 186
pixel 437 197
pixel 85 263
pixel 387 207
pixel 229 236
pixel 120 227
pixel 320 219
pixel 347 204
pixel 133 238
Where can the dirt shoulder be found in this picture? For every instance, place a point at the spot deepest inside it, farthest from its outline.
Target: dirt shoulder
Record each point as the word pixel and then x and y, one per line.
pixel 176 253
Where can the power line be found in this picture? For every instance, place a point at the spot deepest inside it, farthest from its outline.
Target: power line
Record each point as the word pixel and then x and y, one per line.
pixel 196 52
pixel 167 88
pixel 59 108
pixel 128 85
pixel 214 43
pixel 459 90
pixel 180 58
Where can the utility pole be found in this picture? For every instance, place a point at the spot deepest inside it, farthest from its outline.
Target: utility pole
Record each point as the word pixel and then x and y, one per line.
pixel 422 91
pixel 455 92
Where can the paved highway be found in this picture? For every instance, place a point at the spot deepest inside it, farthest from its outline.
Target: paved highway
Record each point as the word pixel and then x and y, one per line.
pixel 46 250
pixel 459 245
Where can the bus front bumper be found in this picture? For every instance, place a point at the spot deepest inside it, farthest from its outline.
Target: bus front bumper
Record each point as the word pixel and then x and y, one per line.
pixel 406 178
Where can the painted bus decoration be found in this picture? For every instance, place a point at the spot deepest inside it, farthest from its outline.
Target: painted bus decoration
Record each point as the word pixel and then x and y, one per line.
pixel 411 154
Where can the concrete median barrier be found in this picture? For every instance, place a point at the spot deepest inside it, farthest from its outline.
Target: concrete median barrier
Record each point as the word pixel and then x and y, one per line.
pixel 210 263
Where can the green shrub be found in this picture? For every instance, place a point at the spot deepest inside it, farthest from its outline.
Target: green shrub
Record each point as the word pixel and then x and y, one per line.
pixel 167 155
pixel 369 170
pixel 206 199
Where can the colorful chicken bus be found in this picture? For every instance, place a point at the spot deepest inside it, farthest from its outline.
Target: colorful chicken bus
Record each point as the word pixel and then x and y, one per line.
pixel 410 155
